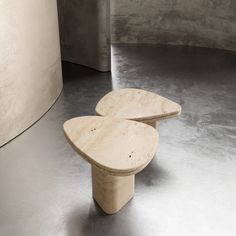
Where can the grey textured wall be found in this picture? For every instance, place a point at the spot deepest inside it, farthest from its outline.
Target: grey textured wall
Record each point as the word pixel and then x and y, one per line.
pixel 85 32
pixel 30 65
pixel 208 23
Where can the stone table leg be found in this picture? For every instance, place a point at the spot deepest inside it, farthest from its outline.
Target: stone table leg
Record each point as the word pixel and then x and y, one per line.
pixel 111 192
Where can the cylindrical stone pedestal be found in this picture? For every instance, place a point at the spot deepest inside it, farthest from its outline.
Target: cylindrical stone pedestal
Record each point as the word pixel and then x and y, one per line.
pixel 111 192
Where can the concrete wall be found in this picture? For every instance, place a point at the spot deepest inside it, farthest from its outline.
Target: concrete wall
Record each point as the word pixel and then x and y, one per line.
pixel 85 32
pixel 208 23
pixel 30 65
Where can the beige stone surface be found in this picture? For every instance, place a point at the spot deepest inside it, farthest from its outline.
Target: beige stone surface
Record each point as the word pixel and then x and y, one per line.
pixel 138 105
pixel 30 65
pixel 121 147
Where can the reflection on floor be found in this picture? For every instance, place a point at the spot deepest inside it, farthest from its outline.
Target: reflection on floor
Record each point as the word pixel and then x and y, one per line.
pixel 188 189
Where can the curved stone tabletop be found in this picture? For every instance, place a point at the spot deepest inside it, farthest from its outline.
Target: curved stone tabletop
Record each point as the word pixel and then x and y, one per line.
pixel 121 147
pixel 137 104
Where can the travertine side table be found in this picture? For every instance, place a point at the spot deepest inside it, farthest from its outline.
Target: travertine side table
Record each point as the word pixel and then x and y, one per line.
pixel 138 105
pixel 117 149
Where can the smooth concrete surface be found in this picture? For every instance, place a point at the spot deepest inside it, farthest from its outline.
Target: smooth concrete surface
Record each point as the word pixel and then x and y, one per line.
pixel 30 65
pixel 85 32
pixel 206 23
pixel 188 189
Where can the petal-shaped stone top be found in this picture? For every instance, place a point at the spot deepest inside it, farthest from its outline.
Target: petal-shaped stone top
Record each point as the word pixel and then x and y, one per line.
pixel 137 104
pixel 121 147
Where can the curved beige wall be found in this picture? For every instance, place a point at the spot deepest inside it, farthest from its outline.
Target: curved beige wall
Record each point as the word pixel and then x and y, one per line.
pixel 207 23
pixel 30 65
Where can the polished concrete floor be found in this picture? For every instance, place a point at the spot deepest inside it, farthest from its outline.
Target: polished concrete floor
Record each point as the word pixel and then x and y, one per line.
pixel 188 189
